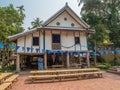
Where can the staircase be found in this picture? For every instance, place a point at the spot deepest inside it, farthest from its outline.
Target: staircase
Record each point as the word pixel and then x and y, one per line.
pixel 114 69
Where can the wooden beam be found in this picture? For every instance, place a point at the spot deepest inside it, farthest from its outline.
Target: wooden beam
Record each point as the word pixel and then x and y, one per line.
pixel 80 40
pixel 18 63
pixel 45 61
pixel 39 41
pixel 88 60
pixel 68 60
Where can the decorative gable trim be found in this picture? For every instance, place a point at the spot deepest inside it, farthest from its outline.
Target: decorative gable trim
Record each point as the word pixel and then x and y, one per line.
pixel 68 10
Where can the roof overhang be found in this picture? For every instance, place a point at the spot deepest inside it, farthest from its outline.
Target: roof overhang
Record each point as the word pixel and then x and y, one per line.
pixel 16 36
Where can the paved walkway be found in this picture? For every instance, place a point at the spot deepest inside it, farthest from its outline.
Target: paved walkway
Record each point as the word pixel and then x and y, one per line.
pixel 109 82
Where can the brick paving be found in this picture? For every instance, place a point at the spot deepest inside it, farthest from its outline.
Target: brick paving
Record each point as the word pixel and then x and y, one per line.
pixel 108 82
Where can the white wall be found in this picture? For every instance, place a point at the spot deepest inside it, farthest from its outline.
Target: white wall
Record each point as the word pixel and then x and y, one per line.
pixel 83 39
pixel 67 39
pixel 66 23
pixel 27 42
pixel 20 42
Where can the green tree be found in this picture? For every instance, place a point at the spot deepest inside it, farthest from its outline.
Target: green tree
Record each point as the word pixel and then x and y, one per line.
pixel 11 21
pixel 36 23
pixel 110 11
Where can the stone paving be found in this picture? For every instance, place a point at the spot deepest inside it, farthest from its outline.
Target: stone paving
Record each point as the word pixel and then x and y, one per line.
pixel 108 82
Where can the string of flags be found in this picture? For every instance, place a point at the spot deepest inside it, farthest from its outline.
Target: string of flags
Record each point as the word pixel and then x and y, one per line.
pixel 7 46
pixel 101 51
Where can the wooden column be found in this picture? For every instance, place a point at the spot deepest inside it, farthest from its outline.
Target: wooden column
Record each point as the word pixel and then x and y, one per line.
pixel 45 61
pixel 87 57
pixel 68 62
pixel 79 59
pixel 18 63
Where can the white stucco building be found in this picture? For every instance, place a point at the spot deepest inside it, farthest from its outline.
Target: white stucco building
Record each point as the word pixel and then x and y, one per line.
pixel 64 32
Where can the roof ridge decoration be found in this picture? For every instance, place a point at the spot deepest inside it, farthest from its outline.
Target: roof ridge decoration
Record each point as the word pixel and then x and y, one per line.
pixel 53 17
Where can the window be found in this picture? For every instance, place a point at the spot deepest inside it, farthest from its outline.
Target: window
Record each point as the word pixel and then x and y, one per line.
pixel 35 41
pixel 58 23
pixel 55 38
pixel 77 40
pixel 56 41
pixel 72 24
pixel 65 19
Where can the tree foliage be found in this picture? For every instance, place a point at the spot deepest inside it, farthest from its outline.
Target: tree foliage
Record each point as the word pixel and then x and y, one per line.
pixel 36 23
pixel 11 21
pixel 103 15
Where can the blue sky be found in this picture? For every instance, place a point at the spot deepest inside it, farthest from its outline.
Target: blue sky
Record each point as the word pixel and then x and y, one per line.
pixel 41 8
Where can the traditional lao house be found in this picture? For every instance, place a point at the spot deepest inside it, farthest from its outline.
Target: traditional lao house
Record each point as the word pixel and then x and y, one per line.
pixel 61 41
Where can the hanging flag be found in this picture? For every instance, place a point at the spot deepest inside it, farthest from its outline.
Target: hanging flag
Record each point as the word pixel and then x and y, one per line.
pixel 1 45
pixel 12 46
pixel 101 53
pixel 75 53
pixel 32 49
pixel 54 52
pixel 37 50
pixel 23 48
pixel 17 47
pixel 66 52
pixel 48 51
pixel 112 49
pixel 94 53
pixel 6 45
pixel 78 53
pixel 28 49
pixel 61 52
pixel 43 50
pixel 71 52
pixel 118 51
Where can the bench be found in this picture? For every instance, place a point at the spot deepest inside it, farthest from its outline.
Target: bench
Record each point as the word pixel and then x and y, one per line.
pixel 5 86
pixel 79 75
pixel 33 78
pixel 12 79
pixel 42 72
pixel 3 76
pixel 86 74
pixel 60 74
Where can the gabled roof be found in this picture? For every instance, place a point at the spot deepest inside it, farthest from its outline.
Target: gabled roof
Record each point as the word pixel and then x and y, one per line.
pixel 69 10
pixel 45 27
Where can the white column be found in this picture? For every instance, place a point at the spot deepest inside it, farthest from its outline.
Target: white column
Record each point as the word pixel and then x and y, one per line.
pixel 18 63
pixel 45 61
pixel 68 62
pixel 88 60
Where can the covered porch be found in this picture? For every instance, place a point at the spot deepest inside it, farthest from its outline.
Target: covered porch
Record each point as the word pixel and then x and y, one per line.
pixel 51 60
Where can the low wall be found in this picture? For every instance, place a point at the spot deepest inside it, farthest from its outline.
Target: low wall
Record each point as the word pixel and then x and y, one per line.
pixel 110 57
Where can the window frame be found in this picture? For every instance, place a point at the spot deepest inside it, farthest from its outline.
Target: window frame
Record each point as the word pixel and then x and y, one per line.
pixel 56 40
pixel 77 40
pixel 33 43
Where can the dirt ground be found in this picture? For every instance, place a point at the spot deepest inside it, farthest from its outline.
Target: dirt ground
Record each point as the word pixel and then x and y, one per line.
pixel 108 82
